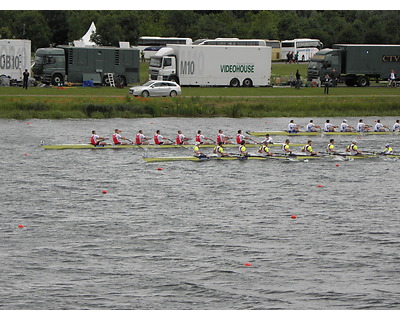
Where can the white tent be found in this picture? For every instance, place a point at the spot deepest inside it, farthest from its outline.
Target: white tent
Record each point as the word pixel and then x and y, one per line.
pixel 85 40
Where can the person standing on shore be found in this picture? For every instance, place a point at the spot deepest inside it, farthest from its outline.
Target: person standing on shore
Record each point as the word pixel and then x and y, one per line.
pixel 298 80
pixel 327 83
pixel 25 79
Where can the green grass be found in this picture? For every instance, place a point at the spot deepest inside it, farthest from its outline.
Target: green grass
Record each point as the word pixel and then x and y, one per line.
pixel 106 102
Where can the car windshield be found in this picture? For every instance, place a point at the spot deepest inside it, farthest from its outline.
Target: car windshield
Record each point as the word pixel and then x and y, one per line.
pixel 147 84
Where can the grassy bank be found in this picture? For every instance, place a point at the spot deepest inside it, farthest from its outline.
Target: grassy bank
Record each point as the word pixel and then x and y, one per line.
pixel 59 107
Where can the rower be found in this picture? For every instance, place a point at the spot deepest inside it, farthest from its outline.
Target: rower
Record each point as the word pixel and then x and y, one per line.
pixel 159 139
pixel 141 139
pixel 292 127
pixel 222 138
pixel 388 149
pixel 268 139
pixel 181 139
pixel 219 150
pixel 361 126
pixel 353 149
pixel 396 126
pixel 200 138
pixel 328 127
pixel 344 127
pixel 286 148
pixel 240 138
pixel 242 149
pixel 117 138
pixel 197 152
pixel 379 127
pixel 330 148
pixel 96 140
pixel 264 149
pixel 308 149
pixel 311 127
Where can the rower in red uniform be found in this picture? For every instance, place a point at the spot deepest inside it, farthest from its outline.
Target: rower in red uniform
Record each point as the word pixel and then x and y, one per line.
pixel 222 138
pixel 117 138
pixel 181 139
pixel 141 139
pixel 240 137
pixel 200 138
pixel 96 140
pixel 159 139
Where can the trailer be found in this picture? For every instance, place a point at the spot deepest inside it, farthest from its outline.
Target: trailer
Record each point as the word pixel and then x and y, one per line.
pixel 355 64
pixel 79 64
pixel 15 57
pixel 212 65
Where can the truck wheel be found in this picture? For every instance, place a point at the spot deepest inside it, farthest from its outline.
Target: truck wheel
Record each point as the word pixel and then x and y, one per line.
pixel 120 81
pixel 57 79
pixel 363 82
pixel 247 82
pixel 145 94
pixel 173 93
pixel 174 79
pixel 235 83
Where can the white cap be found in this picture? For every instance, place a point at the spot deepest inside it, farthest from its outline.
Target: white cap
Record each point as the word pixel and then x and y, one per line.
pixel 344 120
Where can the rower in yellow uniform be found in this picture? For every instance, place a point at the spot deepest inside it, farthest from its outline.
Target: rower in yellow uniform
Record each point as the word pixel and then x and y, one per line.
pixel 330 148
pixel 197 152
pixel 388 149
pixel 242 149
pixel 353 149
pixel 219 150
pixel 264 149
pixel 308 149
pixel 286 147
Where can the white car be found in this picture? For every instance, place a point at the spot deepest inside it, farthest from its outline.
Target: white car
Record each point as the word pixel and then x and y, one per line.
pixel 155 88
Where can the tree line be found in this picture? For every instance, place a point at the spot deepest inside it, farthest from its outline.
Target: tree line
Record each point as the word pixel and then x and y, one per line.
pixel 57 27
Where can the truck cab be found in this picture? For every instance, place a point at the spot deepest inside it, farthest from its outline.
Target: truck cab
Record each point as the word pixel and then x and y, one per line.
pixel 163 66
pixel 49 65
pixel 323 62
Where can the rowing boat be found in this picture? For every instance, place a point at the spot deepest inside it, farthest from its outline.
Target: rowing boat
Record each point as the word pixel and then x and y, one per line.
pixel 277 157
pixel 317 133
pixel 150 146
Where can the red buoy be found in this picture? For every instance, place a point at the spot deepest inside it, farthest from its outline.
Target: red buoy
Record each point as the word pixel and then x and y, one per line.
pixel 337 165
pixel 20 226
pixel 159 169
pixel 294 216
pixel 104 191
pixel 320 186
pixel 248 264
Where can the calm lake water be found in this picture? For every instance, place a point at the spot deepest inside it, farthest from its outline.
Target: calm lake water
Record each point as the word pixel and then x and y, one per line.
pixel 179 238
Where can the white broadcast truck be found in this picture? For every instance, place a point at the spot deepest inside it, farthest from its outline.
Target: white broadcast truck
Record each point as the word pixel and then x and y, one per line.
pixel 211 65
pixel 15 57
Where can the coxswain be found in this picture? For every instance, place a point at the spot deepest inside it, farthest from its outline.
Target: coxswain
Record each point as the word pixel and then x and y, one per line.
pixel 264 149
pixel 96 140
pixel 396 126
pixel 328 127
pixel 311 127
pixel 330 148
pixel 159 139
pixel 308 149
pixel 268 139
pixel 379 127
pixel 197 152
pixel 200 138
pixel 116 137
pixel 344 127
pixel 240 138
pixel 219 150
pixel 181 139
pixel 242 149
pixel 388 149
pixel 353 149
pixel 292 127
pixel 285 147
pixel 141 139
